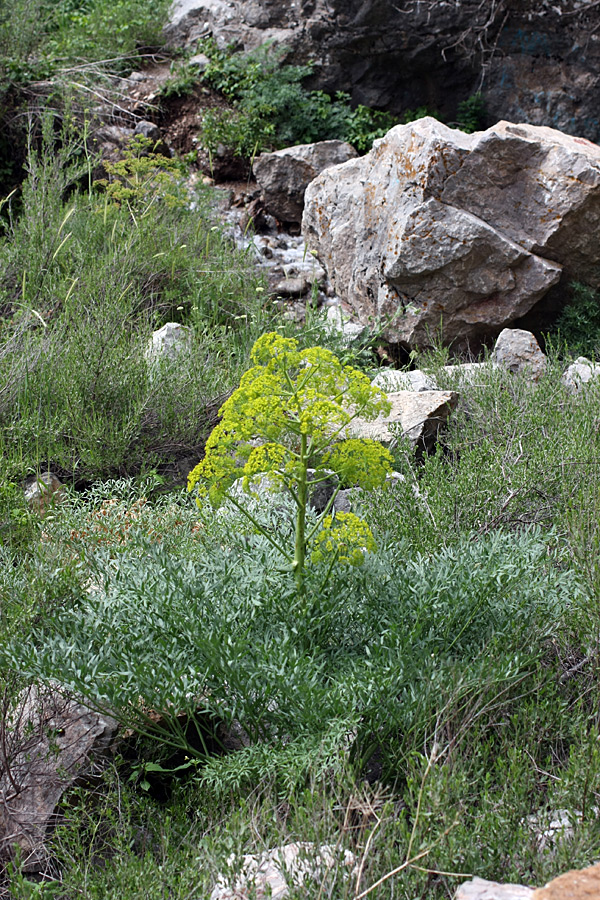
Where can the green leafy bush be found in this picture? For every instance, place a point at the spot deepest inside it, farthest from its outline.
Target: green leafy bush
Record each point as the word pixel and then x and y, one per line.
pixel 471 113
pixel 578 324
pixel 273 109
pixel 387 650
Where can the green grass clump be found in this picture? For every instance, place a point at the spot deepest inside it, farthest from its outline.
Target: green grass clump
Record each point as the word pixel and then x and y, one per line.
pixel 86 278
pixel 41 38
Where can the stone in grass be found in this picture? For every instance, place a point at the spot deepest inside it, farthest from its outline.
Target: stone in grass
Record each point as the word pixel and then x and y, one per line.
pixel 480 889
pixel 168 342
pixel 338 320
pixel 417 416
pixel 520 352
pixel 272 873
pixel 265 490
pixel 42 490
pixel 200 62
pixel 347 499
pixel 580 373
pixel 396 380
pixel 52 743
pixel 417 380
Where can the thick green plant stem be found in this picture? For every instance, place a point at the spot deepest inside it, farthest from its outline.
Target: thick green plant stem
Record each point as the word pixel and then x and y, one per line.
pixel 300 546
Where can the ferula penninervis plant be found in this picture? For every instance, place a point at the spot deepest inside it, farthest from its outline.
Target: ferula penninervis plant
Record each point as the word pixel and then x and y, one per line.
pixel 287 420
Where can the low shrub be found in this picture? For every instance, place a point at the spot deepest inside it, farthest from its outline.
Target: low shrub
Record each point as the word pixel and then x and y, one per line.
pixel 86 278
pixel 578 324
pixel 392 651
pixel 273 109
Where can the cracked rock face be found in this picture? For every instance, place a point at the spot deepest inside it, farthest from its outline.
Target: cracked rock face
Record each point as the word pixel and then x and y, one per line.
pixel 542 60
pixel 436 231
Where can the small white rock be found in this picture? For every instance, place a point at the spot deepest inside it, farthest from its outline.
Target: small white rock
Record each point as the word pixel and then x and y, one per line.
pixel 169 341
pixel 200 62
pixel 580 373
pixel 40 490
pixel 337 321
pixel 390 380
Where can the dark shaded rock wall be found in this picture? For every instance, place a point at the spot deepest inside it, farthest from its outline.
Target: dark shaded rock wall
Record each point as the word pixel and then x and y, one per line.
pixel 534 61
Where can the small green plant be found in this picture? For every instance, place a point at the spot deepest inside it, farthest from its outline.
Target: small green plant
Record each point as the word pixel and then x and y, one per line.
pixel 471 113
pixel 578 324
pixel 142 176
pixel 181 82
pixel 282 423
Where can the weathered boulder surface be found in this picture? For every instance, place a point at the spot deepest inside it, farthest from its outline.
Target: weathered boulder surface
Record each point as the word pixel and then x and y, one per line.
pixel 416 415
pixel 519 351
pixel 541 61
pixel 51 743
pixel 436 230
pixel 574 885
pixel 284 175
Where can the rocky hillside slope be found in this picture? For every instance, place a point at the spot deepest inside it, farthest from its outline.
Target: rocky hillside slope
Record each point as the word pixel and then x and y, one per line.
pixel 536 62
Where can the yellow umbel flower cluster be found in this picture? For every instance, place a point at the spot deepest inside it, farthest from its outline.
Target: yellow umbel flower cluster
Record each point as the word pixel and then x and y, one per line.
pixel 287 417
pixel 347 536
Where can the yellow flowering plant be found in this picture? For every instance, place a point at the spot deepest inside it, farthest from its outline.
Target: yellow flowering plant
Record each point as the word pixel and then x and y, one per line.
pixel 287 421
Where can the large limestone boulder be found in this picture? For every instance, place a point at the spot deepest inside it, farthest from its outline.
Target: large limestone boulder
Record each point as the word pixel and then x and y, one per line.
pixel 436 230
pixel 284 175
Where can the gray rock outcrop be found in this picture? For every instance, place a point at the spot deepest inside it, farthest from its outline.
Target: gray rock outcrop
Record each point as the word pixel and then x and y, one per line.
pixel 438 231
pixel 540 62
pixel 284 175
